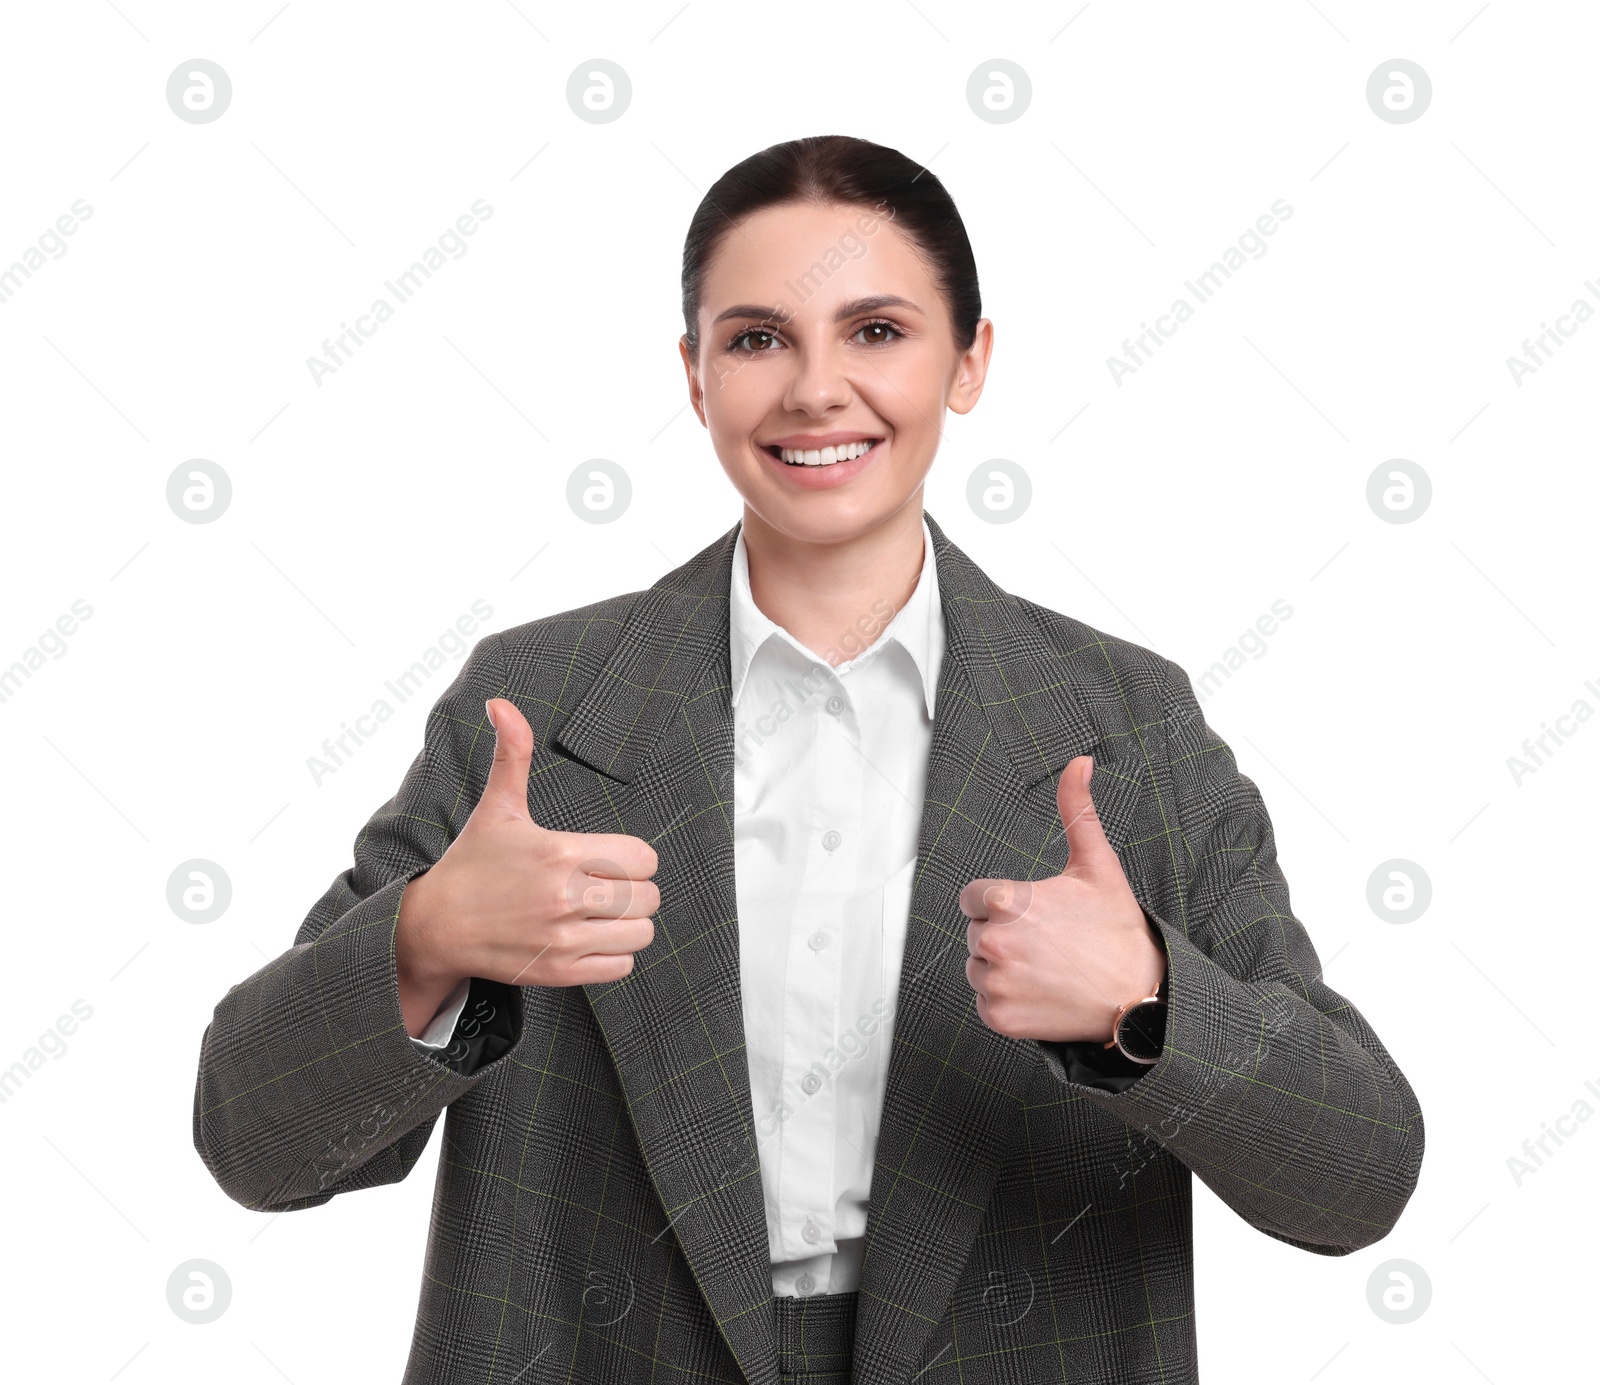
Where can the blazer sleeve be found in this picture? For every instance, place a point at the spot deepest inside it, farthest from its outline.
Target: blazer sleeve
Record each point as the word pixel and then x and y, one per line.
pixel 308 1082
pixel 1271 1087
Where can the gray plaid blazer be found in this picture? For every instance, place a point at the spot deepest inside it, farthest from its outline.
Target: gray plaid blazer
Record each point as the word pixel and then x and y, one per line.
pixel 598 1210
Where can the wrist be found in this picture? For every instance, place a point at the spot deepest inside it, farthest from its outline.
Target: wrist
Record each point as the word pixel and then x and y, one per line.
pixel 1147 1020
pixel 423 967
pixel 1156 971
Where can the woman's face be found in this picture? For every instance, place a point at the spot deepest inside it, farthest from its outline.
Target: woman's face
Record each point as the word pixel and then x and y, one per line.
pixel 821 326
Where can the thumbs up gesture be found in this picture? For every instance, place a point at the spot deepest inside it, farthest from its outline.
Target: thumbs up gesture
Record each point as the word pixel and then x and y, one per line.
pixel 516 902
pixel 1052 959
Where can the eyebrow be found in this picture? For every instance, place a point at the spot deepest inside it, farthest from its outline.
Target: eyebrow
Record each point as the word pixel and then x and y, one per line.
pixel 846 310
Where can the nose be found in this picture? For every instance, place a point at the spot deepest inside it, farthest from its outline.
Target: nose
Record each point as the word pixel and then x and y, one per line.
pixel 820 381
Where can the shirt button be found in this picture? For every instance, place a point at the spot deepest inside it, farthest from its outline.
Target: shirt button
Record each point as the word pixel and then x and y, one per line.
pixel 811 1231
pixel 810 1082
pixel 835 705
pixel 805 1283
pixel 818 940
pixel 831 840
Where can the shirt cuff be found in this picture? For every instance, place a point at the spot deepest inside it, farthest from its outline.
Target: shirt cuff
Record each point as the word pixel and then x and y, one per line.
pixel 443 1024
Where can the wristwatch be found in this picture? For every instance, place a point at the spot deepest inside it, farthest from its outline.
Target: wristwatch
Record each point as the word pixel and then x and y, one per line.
pixel 1139 1030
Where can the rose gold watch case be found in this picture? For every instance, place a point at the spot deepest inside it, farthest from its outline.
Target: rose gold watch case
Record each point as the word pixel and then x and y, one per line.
pixel 1116 1026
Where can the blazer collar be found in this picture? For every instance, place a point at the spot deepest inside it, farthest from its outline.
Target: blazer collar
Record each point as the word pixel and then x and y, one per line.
pixel 677 634
pixel 654 736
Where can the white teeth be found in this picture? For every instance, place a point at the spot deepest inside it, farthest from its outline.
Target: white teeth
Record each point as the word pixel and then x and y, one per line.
pixel 825 456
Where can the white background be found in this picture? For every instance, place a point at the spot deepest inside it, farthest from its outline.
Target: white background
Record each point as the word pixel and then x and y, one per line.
pixel 370 512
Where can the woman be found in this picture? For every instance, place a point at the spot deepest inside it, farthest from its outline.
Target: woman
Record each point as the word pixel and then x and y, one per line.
pixel 895 1047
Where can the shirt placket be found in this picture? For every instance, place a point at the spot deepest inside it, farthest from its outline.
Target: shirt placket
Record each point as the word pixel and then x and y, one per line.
pixel 815 957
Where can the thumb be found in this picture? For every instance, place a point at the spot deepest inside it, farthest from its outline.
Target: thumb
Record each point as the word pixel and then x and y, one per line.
pixel 506 792
pixel 1088 851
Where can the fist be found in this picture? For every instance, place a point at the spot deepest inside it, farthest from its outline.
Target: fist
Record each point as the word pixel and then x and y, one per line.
pixel 516 902
pixel 1053 959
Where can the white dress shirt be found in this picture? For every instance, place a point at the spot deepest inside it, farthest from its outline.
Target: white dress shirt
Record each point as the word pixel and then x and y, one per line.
pixel 829 769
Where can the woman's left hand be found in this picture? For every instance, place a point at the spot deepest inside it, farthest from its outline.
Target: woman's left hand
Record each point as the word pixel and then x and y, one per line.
pixel 1053 959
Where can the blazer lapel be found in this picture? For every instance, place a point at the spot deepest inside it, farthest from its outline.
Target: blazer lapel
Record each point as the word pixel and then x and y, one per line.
pixel 1008 718
pixel 657 725
pixel 658 722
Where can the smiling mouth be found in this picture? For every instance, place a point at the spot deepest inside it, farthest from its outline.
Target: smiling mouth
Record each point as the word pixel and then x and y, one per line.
pixel 826 456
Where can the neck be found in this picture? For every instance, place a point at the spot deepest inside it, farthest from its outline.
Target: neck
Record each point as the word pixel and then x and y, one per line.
pixel 835 597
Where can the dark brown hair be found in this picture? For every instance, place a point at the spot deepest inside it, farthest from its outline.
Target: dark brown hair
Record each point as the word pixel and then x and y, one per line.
pixel 851 172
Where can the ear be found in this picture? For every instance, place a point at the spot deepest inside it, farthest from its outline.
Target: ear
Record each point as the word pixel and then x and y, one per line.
pixel 697 394
pixel 971 370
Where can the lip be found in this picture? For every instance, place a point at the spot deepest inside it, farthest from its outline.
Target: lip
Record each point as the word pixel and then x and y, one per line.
pixel 818 440
pixel 818 478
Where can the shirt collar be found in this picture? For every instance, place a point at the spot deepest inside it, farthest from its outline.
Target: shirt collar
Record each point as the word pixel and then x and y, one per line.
pixel 918 626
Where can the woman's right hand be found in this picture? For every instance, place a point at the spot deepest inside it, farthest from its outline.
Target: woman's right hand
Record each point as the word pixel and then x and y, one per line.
pixel 515 902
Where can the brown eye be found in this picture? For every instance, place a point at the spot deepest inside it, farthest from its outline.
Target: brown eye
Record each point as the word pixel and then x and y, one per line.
pixel 886 327
pixel 741 342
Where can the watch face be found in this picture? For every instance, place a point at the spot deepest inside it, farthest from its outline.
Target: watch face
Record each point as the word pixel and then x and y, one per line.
pixel 1143 1031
